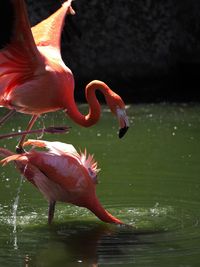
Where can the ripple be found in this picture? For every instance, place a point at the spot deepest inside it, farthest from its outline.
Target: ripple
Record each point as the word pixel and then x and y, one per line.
pixel 156 232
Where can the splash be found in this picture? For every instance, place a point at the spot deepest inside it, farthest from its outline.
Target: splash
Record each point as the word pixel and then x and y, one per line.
pixel 14 214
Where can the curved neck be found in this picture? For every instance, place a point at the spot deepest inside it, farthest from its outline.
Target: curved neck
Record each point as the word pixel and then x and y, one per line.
pixel 96 207
pixel 94 107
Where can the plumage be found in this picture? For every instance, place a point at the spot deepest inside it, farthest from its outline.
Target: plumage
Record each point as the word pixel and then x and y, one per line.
pixel 34 79
pixel 60 173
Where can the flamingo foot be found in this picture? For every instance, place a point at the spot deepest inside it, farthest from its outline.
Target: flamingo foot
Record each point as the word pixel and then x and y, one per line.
pixel 51 210
pixel 57 129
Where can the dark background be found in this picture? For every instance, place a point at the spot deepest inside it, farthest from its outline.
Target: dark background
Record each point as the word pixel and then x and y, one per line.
pixel 146 50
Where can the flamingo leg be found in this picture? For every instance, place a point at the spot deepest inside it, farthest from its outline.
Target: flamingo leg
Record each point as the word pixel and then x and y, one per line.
pixel 7 116
pixel 52 130
pixel 19 147
pixel 51 210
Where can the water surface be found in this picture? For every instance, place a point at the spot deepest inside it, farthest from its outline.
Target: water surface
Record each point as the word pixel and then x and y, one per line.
pixel 149 179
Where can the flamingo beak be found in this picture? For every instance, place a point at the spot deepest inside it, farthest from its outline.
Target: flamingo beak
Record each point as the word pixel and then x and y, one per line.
pixel 123 121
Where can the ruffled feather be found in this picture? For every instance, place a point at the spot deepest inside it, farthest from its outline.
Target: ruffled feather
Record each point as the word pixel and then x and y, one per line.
pixel 90 164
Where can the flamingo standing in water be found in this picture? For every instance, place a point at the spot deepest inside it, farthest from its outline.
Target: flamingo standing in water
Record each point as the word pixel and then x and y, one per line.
pixel 61 174
pixel 34 79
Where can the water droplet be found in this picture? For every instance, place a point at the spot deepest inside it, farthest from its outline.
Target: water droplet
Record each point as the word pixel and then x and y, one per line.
pixel 150 115
pixel 127 106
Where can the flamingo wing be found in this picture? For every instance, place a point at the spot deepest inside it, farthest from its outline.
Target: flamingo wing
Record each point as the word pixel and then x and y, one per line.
pixel 19 29
pixel 48 32
pixel 66 178
pixel 51 191
pixel 19 56
pixel 56 148
pixel 62 149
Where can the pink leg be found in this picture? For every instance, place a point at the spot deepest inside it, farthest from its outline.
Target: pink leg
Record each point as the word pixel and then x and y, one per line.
pixel 19 147
pixel 7 116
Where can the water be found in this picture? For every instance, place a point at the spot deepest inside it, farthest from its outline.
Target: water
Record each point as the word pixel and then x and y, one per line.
pixel 14 213
pixel 149 179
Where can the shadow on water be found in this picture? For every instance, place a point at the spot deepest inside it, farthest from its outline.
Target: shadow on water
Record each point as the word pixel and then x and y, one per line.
pixel 87 243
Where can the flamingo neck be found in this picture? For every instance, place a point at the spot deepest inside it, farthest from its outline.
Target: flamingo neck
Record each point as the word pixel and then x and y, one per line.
pixel 96 207
pixel 94 107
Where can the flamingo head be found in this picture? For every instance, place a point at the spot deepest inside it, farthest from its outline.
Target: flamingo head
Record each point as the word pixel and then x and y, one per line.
pixel 117 106
pixel 90 200
pixel 123 121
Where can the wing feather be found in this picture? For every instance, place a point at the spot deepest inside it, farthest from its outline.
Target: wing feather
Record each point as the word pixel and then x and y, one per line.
pixel 19 56
pixel 48 32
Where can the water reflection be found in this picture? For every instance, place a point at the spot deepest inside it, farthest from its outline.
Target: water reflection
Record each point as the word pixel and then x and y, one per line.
pixel 89 244
pixel 159 233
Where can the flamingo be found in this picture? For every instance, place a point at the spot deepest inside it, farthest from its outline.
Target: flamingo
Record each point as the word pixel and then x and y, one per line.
pixel 60 173
pixel 34 79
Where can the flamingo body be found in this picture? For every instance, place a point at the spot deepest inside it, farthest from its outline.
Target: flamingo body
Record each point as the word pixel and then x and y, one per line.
pixel 34 79
pixel 61 174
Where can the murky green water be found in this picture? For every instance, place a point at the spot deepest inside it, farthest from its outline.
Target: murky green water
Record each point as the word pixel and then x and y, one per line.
pixel 150 180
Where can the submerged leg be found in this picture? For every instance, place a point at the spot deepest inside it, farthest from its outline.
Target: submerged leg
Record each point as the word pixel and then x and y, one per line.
pixel 7 116
pixel 52 204
pixel 19 147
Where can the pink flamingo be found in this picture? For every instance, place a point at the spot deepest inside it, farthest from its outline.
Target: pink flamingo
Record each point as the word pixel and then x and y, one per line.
pixel 34 79
pixel 61 174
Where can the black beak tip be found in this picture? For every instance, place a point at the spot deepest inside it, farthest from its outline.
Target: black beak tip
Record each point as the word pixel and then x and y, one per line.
pixel 122 131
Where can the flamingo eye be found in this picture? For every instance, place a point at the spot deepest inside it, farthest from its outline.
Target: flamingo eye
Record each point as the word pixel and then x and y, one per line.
pixel 93 175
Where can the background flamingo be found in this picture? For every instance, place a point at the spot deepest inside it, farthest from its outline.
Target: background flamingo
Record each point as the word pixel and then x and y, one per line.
pixel 35 80
pixel 61 174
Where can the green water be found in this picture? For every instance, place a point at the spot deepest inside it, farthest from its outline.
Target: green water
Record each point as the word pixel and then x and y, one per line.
pixel 150 180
